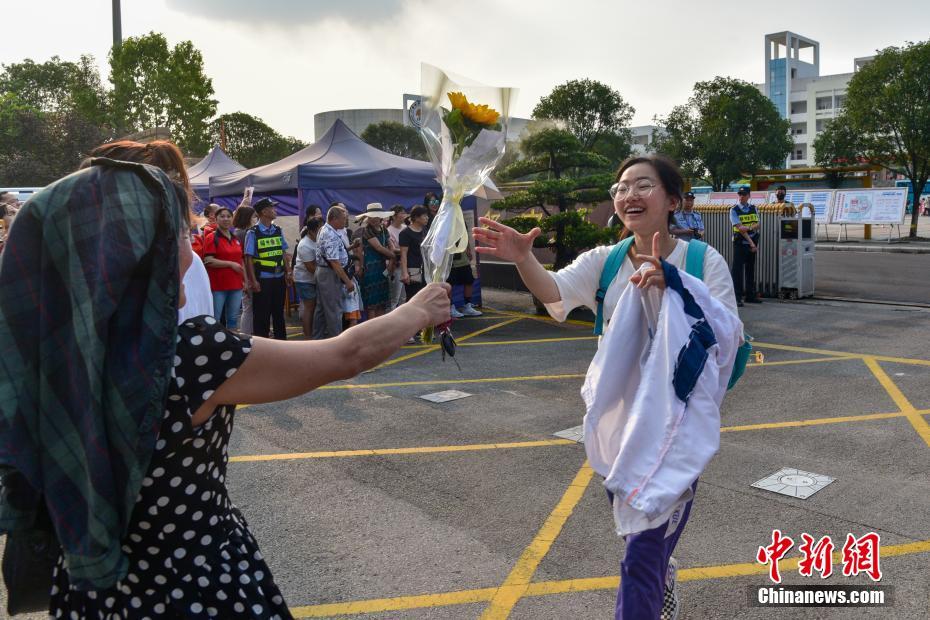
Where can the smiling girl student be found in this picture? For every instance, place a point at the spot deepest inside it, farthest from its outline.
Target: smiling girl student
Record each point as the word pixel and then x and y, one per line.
pixel 647 192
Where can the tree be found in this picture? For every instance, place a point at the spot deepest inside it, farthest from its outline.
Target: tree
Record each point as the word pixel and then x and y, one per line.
pixel 888 105
pixel 38 147
pixel 51 115
pixel 836 146
pixel 563 175
pixel 591 111
pixel 154 86
pixel 614 147
pixel 250 141
pixel 727 127
pixel 395 138
pixel 57 86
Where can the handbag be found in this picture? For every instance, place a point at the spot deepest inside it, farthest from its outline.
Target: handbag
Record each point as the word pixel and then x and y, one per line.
pixel 29 559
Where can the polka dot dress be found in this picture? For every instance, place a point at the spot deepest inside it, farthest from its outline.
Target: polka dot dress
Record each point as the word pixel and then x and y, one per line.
pixel 190 551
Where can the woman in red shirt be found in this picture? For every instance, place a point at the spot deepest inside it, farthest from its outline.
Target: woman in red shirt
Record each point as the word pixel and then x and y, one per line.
pixel 223 260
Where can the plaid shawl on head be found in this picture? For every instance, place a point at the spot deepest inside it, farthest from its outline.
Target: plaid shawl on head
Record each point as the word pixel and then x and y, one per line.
pixel 88 322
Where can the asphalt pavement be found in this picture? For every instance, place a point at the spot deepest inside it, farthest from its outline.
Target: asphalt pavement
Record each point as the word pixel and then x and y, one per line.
pixel 370 501
pixel 880 276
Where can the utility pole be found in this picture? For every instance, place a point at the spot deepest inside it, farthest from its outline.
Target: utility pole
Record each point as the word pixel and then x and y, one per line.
pixel 117 25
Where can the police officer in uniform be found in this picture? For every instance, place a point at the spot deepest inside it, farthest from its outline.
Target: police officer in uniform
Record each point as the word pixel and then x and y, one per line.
pixel 268 271
pixel 745 221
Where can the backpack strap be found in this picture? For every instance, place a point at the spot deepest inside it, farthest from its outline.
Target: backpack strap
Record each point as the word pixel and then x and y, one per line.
pixel 694 261
pixel 611 267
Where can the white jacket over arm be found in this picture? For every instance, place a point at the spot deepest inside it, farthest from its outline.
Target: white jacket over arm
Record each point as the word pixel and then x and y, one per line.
pixel 652 420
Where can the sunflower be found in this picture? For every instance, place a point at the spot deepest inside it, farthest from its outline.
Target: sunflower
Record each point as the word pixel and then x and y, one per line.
pixel 481 114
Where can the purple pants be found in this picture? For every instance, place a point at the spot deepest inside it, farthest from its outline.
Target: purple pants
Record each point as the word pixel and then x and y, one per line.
pixel 642 571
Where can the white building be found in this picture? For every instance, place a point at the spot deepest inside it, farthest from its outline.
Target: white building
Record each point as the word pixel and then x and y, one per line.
pixel 643 137
pixel 358 120
pixel 800 94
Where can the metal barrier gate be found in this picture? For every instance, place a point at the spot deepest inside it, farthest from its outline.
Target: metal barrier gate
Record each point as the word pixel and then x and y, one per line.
pixel 718 232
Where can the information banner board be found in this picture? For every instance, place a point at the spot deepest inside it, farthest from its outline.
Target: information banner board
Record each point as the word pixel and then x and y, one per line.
pixel 820 199
pixel 729 198
pixel 884 205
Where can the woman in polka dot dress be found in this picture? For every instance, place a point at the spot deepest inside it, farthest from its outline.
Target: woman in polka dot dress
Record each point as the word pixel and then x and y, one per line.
pixel 190 551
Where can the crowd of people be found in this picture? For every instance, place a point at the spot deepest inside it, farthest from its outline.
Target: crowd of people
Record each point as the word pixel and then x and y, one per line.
pixel 9 207
pixel 339 277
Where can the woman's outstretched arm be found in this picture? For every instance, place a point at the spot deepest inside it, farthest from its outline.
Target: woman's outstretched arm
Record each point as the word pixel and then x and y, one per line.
pixel 277 369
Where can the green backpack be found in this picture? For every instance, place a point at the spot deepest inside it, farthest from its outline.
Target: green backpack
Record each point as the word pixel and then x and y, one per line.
pixel 694 266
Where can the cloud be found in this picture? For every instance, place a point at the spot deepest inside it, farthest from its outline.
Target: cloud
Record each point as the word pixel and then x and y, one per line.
pixel 290 12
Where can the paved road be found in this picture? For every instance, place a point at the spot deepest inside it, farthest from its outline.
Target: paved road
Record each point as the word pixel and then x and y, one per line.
pixel 390 507
pixel 448 527
pixel 881 276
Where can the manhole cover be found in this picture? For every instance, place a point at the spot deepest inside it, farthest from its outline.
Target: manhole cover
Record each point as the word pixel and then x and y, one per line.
pixel 575 433
pixel 446 396
pixel 793 483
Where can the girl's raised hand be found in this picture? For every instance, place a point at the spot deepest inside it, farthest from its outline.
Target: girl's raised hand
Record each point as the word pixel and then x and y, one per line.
pixel 503 241
pixel 652 275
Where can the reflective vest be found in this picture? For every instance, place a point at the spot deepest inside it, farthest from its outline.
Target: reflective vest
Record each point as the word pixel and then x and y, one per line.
pixel 269 250
pixel 746 219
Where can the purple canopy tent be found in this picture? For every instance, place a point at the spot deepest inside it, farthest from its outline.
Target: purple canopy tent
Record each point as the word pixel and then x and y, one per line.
pixel 339 167
pixel 216 163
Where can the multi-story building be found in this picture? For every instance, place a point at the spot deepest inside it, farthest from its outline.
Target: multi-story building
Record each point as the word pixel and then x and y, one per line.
pixel 642 138
pixel 409 115
pixel 800 94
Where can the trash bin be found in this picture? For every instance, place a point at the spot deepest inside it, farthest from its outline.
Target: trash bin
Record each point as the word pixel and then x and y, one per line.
pixel 796 254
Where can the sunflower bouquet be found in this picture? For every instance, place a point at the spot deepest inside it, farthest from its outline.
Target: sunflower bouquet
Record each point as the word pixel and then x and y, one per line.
pixel 465 130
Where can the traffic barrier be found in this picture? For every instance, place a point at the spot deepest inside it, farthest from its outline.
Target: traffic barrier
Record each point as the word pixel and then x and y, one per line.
pixel 718 232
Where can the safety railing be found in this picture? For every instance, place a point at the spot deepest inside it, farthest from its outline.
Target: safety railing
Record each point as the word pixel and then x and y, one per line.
pixel 718 232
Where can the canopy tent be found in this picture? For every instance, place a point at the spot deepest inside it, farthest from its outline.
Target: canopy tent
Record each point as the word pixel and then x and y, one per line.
pixel 341 167
pixel 216 163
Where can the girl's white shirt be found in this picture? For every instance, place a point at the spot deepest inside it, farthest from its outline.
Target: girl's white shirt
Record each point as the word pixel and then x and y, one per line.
pixel 578 282
pixel 648 444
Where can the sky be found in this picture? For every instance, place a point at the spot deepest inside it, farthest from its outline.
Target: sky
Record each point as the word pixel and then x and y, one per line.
pixel 285 60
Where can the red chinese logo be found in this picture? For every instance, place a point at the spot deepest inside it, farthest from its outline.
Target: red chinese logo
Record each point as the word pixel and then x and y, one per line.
pixel 817 557
pixel 774 552
pixel 860 555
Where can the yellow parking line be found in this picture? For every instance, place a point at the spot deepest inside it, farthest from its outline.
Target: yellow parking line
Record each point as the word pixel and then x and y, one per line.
pixel 913 416
pixel 542 317
pixel 810 360
pixel 881 358
pixel 360 386
pixel 813 422
pixel 494 343
pixel 787 347
pixel 566 586
pixel 765 345
pixel 544 442
pixel 428 349
pixel 394 451
pixel 399 603
pixel 517 582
